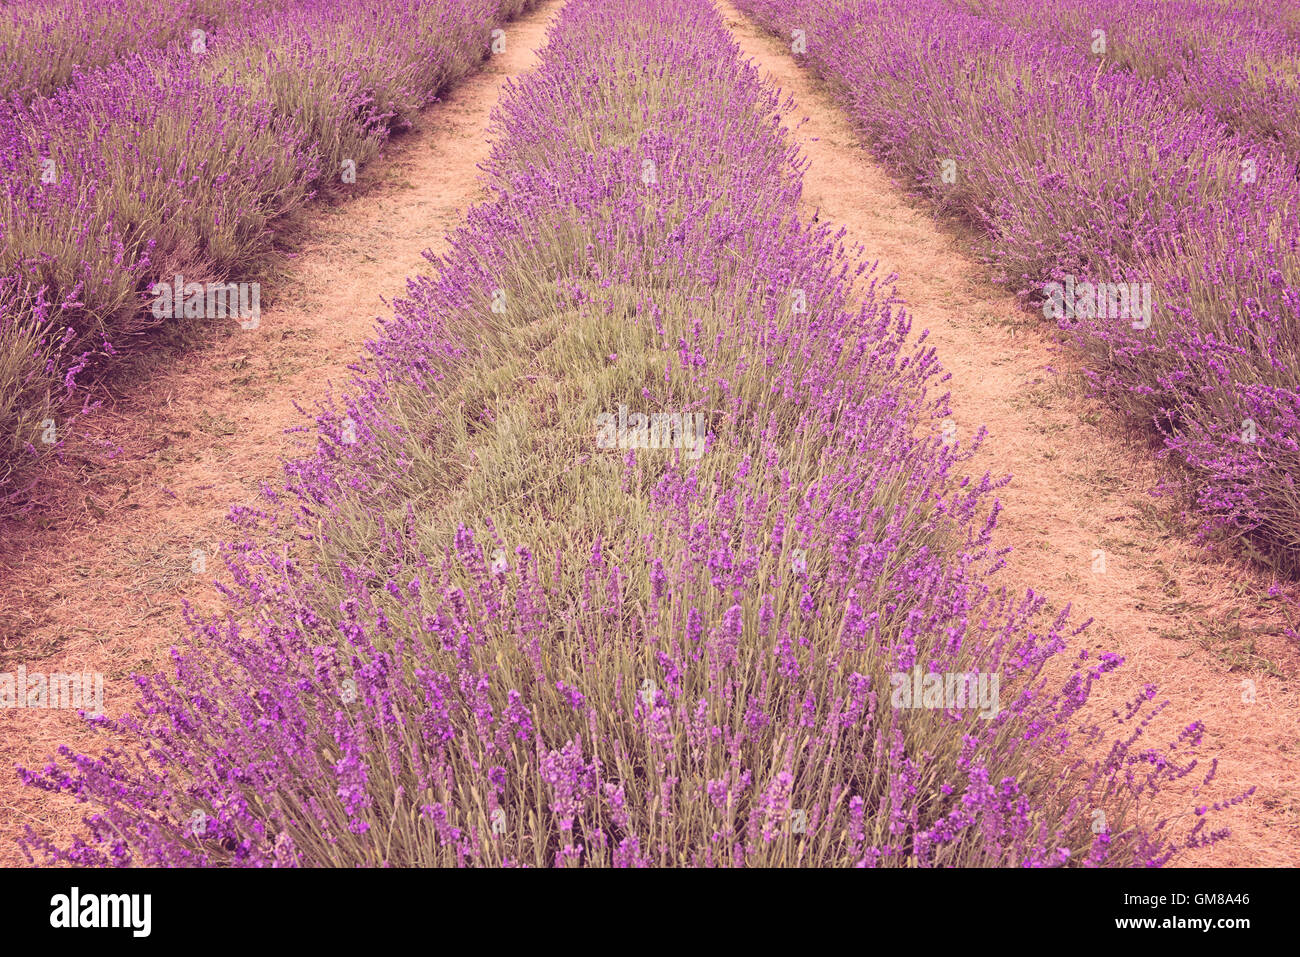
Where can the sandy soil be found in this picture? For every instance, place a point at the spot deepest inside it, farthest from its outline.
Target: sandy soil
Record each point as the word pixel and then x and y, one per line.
pixel 97 584
pixel 1203 630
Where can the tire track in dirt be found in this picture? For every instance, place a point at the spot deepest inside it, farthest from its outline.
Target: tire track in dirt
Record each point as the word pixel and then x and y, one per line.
pixel 98 586
pixel 1196 626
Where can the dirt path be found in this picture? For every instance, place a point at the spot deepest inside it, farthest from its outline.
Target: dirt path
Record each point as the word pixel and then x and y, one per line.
pixel 99 587
pixel 1197 628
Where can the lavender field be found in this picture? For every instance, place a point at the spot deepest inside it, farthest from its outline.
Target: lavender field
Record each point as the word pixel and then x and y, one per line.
pixel 640 529
pixel 175 156
pixel 1118 143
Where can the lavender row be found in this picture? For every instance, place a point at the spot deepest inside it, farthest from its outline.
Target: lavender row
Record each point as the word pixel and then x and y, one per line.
pixel 638 540
pixel 1240 63
pixel 1181 234
pixel 43 44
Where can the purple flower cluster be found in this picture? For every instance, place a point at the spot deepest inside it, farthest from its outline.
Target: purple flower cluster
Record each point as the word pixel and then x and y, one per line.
pixel 1127 142
pixel 638 658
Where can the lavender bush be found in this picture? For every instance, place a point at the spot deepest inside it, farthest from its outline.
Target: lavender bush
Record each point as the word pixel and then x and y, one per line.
pixel 1107 175
pixel 468 631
